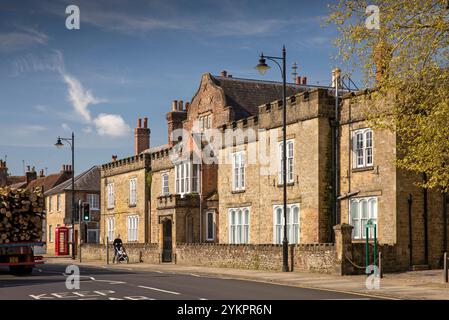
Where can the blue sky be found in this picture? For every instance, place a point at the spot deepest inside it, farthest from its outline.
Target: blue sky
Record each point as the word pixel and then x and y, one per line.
pixel 130 59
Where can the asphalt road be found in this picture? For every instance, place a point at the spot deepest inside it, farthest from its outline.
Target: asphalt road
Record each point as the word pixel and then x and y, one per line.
pixel 48 282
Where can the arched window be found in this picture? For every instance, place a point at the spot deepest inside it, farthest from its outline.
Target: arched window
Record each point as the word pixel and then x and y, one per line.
pixel 239 225
pixel 293 217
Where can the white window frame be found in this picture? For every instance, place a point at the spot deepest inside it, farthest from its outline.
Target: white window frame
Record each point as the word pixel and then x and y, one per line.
pixel 363 148
pixel 94 201
pixel 239 232
pixel 111 195
pixel 50 233
pixel 290 161
pixel 238 171
pixel 110 231
pixel 184 181
pixel 165 184
pixel 133 227
pixel 133 191
pixel 359 222
pixel 207 225
pixel 50 209
pixel 292 225
pixel 96 231
pixel 58 202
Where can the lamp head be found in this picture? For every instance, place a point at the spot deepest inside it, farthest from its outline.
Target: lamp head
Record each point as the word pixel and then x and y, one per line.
pixel 59 143
pixel 262 66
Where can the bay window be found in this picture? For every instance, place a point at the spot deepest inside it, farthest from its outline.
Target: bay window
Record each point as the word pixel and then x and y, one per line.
pixel 187 178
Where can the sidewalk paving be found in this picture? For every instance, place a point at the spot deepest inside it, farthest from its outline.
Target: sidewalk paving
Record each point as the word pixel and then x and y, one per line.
pixel 417 285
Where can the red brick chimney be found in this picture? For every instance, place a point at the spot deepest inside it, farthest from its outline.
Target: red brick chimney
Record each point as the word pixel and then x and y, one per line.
pixel 41 173
pixel 304 80
pixel 114 158
pixel 141 136
pixel 298 80
pixel 174 119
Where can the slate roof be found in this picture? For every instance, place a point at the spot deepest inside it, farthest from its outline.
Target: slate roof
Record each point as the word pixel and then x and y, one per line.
pixel 245 95
pixel 50 181
pixel 89 180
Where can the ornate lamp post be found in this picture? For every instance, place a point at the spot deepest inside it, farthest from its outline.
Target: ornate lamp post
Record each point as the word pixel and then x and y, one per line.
pixel 262 67
pixel 59 145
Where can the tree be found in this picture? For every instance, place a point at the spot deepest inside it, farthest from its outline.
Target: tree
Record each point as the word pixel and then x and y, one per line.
pixel 405 65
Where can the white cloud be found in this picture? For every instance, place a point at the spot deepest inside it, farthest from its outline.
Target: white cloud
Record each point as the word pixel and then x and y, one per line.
pixel 111 125
pixel 80 97
pixel 41 108
pixel 21 39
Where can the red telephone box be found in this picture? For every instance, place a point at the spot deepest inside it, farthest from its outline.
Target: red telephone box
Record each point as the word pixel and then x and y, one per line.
pixel 62 241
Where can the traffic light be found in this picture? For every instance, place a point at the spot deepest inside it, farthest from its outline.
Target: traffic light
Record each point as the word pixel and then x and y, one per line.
pixel 86 212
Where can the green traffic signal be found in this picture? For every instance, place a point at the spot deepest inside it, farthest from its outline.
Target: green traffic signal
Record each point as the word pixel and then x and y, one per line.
pixel 86 212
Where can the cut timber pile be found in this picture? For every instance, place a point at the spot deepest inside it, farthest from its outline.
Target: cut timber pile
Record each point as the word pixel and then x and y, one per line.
pixel 21 215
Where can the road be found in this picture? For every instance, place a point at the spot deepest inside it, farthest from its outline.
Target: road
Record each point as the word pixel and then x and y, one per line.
pixel 48 282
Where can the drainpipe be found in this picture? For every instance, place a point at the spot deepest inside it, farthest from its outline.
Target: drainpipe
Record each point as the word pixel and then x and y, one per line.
pixel 445 218
pixel 425 217
pixel 410 241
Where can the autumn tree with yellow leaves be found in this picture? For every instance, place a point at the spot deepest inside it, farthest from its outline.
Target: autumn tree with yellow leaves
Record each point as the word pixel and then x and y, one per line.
pixel 402 49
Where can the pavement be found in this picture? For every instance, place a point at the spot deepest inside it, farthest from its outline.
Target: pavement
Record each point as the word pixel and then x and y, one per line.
pixel 145 282
pixel 417 285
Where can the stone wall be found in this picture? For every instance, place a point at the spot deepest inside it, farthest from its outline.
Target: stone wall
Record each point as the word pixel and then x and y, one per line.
pixel 310 258
pixel 137 252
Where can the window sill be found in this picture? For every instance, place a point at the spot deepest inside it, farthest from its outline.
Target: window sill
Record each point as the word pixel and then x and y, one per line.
pixel 132 205
pixel 362 169
pixel 289 184
pixel 238 191
pixel 363 240
pixel 110 208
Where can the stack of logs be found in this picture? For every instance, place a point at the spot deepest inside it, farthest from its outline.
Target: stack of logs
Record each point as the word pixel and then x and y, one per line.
pixel 21 215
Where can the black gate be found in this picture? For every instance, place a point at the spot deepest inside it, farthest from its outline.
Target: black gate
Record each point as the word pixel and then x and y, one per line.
pixel 167 244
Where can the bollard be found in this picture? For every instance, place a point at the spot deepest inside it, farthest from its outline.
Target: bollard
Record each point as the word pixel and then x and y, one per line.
pixel 381 273
pixel 107 250
pixel 445 266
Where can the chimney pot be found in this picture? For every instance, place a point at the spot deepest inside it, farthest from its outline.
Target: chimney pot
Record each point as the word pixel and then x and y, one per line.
pixel 41 173
pixel 298 80
pixel 139 123
pixel 174 105
pixel 224 73
pixel 304 80
pixel 187 106
pixel 180 105
pixel 145 122
pixel 114 158
pixel 28 169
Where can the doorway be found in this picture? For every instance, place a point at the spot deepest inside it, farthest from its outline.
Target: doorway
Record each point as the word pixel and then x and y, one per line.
pixel 167 240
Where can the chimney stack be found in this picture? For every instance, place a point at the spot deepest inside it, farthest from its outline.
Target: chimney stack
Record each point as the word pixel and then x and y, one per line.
pixel 141 137
pixel 3 173
pixel 41 173
pixel 114 158
pixel 224 73
pixel 298 80
pixel 304 80
pixel 30 175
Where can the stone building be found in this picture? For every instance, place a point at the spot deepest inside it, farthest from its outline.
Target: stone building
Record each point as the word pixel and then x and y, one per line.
pixel 412 223
pixel 58 202
pixel 162 195
pixel 177 199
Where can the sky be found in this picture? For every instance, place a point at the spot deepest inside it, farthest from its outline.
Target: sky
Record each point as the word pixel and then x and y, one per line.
pixel 130 59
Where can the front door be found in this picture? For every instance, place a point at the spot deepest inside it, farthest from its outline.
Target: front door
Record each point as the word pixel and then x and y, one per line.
pixel 167 241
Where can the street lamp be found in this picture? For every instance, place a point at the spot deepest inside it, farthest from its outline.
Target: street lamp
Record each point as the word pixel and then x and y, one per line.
pixel 262 67
pixel 59 145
